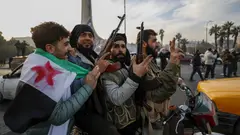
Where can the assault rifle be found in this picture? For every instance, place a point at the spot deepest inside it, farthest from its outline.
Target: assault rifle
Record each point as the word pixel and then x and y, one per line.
pixel 141 52
pixel 112 36
pixel 140 44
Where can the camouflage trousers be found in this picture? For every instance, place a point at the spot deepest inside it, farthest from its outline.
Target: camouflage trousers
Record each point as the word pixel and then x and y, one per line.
pixel 156 114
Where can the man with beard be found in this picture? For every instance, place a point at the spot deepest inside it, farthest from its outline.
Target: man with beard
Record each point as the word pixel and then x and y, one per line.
pixel 44 103
pixel 119 85
pixel 89 118
pixel 157 86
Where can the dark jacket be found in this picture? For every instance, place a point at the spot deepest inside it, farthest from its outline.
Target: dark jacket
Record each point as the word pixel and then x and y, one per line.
pixel 196 60
pixel 93 103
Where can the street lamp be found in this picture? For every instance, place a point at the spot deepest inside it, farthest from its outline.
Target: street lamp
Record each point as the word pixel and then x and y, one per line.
pixel 207 29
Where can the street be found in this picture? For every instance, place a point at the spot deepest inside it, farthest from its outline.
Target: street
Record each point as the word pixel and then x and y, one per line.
pixel 177 99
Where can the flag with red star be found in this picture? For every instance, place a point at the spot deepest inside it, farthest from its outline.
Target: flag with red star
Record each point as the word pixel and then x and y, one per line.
pixel 44 81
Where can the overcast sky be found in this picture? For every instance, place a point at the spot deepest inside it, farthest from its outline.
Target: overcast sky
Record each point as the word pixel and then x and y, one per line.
pixel 188 17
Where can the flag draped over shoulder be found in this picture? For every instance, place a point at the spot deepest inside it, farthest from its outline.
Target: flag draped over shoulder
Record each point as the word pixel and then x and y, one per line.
pixel 44 80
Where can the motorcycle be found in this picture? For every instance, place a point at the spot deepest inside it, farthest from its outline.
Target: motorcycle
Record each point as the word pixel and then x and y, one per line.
pixel 198 111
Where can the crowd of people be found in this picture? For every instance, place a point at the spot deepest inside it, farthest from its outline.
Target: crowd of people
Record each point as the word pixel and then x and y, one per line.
pixel 66 86
pixel 229 58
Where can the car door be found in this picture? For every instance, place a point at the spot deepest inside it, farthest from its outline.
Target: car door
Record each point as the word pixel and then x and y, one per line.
pixel 11 82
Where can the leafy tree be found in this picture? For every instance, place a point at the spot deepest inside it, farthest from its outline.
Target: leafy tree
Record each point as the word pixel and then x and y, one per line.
pixel 235 31
pixel 227 28
pixel 184 41
pixel 215 31
pixel 2 39
pixel 178 37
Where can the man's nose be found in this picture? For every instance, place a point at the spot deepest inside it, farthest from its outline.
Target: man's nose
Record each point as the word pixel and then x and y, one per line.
pixel 121 49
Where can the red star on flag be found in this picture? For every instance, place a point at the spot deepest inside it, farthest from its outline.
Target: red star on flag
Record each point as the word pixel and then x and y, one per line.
pixel 47 72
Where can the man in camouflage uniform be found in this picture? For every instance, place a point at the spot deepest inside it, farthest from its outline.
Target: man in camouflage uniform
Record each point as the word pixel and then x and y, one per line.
pixel 119 85
pixel 157 86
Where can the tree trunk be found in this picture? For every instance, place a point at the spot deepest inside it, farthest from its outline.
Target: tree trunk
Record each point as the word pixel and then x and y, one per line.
pixel 235 40
pixel 216 46
pixel 228 34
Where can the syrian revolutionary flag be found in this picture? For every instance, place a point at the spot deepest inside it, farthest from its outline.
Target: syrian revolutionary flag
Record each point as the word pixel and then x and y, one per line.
pixel 44 80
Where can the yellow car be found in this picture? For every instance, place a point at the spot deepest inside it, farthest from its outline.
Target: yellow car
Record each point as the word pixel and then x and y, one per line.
pixel 225 93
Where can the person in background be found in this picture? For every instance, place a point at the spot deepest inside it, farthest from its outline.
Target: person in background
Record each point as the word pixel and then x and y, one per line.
pixel 209 61
pixel 196 62
pixel 215 52
pixel 234 63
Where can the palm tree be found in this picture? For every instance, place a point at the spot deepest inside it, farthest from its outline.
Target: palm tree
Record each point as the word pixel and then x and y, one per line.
pixel 2 39
pixel 161 33
pixel 178 37
pixel 222 36
pixel 227 27
pixel 215 30
pixel 235 31
pixel 184 41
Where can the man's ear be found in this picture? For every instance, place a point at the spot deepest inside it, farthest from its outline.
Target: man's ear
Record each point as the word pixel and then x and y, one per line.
pixel 49 48
pixel 144 44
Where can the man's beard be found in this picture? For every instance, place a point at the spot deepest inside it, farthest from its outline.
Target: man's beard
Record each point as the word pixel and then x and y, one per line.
pixel 89 53
pixel 124 59
pixel 151 51
pixel 119 58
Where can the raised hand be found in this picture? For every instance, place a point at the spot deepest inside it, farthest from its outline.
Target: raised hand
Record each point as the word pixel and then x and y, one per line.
pixel 92 77
pixel 102 63
pixel 142 68
pixel 176 53
pixel 72 51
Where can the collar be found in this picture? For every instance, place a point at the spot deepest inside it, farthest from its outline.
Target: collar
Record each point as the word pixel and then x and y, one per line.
pixel 83 58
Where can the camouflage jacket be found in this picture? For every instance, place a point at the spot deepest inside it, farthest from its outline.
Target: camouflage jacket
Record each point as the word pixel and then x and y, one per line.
pixel 160 85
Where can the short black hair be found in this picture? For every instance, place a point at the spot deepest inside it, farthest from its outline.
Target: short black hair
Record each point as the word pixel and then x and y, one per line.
pixel 146 34
pixel 48 33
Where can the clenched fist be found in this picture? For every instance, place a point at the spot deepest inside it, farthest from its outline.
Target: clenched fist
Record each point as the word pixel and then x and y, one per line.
pixel 102 63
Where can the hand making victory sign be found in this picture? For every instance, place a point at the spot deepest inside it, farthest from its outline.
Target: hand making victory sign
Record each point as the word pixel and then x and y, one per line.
pixel 176 53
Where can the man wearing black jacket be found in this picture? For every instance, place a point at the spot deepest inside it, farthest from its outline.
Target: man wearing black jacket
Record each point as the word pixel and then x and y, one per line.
pixel 196 65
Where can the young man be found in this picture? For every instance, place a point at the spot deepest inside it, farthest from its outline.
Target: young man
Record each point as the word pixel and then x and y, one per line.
pixel 119 86
pixel 44 89
pixel 196 66
pixel 89 118
pixel 209 61
pixel 157 86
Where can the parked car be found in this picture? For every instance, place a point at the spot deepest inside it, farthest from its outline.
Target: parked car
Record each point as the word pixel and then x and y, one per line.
pixel 225 93
pixel 187 58
pixel 8 84
pixel 18 60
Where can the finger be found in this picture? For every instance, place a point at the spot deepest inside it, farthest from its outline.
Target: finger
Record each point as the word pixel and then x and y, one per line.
pixel 134 60
pixel 178 50
pixel 97 75
pixel 172 45
pixel 181 55
pixel 95 70
pixel 104 56
pixel 147 60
